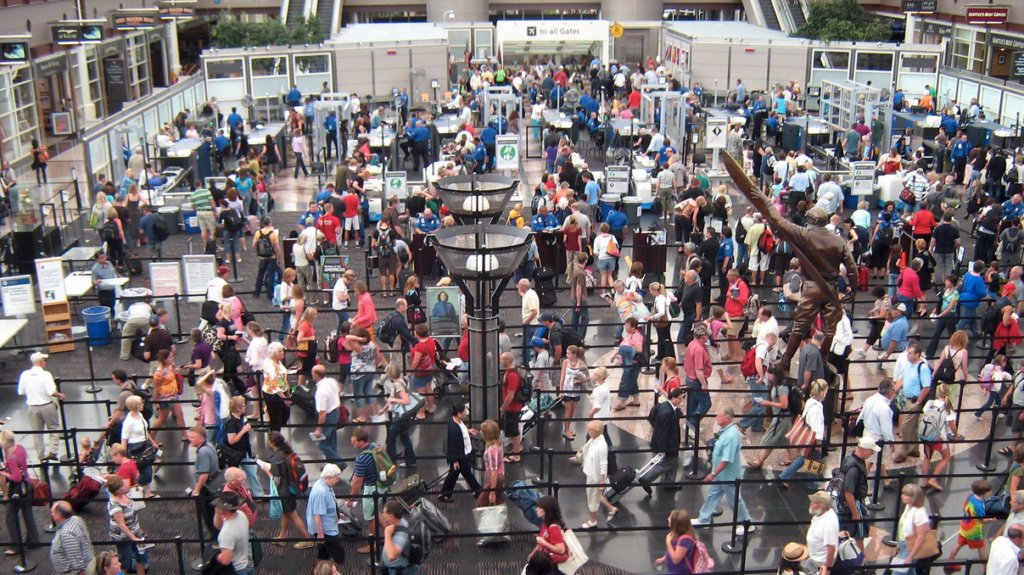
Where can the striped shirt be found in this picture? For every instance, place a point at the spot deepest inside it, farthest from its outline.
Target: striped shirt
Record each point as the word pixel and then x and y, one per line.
pixel 71 550
pixel 202 200
pixel 494 460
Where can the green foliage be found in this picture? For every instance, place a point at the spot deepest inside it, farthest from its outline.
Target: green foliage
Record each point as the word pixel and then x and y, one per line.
pixel 841 21
pixel 230 32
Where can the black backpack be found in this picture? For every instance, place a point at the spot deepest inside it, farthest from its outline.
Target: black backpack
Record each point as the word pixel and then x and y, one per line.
pixel 160 229
pixel 232 221
pixel 147 401
pixel 385 329
pixel 385 245
pixel 946 372
pixel 525 392
pixel 109 231
pixel 796 399
pixel 1013 241
pixel 570 337
pixel 884 234
pixel 264 247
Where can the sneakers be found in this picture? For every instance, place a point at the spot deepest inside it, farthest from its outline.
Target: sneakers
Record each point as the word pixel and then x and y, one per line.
pixel 701 524
pixel 860 353
pixel 589 525
pixel 978 417
pixel 739 530
pixel 303 545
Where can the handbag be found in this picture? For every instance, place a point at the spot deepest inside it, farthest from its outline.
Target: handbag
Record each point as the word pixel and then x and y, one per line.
pixel 406 412
pixel 228 456
pixel 145 457
pixel 577 556
pixel 191 378
pixel 581 453
pixel 276 509
pixel 491 519
pixel 813 464
pixel 930 548
pixel 256 547
pixel 40 493
pixel 801 435
pixel 416 316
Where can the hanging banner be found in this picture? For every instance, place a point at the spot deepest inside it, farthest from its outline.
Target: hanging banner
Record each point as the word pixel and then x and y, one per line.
pixel 396 184
pixel 331 270
pixel 165 278
pixel 507 150
pixel 444 312
pixel 863 179
pixel 50 274
pixel 16 295
pixel 199 270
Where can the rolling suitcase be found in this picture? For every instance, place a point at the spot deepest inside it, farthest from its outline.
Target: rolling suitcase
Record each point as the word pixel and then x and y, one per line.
pixel 626 478
pixel 349 525
pixel 409 490
pixel 544 284
pixel 863 278
pixel 303 399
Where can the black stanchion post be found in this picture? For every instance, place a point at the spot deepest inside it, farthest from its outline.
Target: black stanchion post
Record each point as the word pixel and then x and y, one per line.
pixel 77 462
pixel 555 487
pixel 960 402
pixel 234 260
pixel 731 546
pixel 550 454
pixel 987 466
pixel 93 388
pixel 23 565
pixel 647 369
pixel 694 472
pixel 180 554
pixel 891 540
pixel 198 564
pixel 874 504
pixel 177 317
pixel 540 427
pixel 63 426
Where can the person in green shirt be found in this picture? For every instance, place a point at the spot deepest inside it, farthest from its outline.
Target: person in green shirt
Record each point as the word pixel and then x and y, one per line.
pixel 202 203
pixel 850 141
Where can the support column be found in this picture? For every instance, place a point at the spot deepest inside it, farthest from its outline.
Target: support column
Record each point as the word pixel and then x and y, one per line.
pixel 173 58
pixel 465 11
pixel 82 83
pixel 635 11
pixel 910 26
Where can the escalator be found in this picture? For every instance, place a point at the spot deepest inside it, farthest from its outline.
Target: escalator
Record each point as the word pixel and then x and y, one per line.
pixel 797 10
pixel 771 20
pixel 325 12
pixel 296 10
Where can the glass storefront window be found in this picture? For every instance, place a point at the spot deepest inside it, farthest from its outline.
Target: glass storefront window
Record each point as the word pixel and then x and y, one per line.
pixel 876 61
pixel 311 71
pixel 831 60
pixel 224 69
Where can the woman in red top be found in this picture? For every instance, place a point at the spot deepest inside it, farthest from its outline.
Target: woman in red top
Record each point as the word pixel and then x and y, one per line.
pixel 550 539
pixel 669 376
pixel 573 244
pixel 422 357
pixel 366 312
pixel 923 222
pixel 908 286
pixel 305 337
pixel 17 491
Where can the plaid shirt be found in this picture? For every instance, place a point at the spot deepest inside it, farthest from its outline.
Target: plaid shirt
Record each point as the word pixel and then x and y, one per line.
pixel 71 550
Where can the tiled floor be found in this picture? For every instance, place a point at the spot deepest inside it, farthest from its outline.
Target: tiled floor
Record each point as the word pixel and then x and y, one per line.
pixel 630 543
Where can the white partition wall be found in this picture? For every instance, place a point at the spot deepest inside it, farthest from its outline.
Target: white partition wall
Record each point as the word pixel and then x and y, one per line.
pixel 311 71
pixel 226 80
pixel 874 67
pixel 916 71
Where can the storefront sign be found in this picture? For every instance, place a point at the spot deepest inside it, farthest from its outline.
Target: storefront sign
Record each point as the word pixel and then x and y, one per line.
pixel 16 295
pixel 112 49
pixel 937 28
pixel 176 10
pixel 13 52
pixel 50 274
pixel 919 6
pixel 115 77
pixel 66 35
pixel 135 19
pixel 199 270
pixel 987 14
pixel 165 278
pixel 92 34
pixel 1017 66
pixel 50 67
pixel 1006 42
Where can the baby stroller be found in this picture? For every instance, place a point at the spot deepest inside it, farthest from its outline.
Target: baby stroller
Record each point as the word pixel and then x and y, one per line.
pixel 445 377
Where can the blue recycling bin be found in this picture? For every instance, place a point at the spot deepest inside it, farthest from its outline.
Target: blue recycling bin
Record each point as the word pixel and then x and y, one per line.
pixel 97 324
pixel 608 202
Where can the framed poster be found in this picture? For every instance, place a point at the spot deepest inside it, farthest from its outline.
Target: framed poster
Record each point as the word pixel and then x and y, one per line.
pixel 61 123
pixel 165 278
pixel 199 270
pixel 50 273
pixel 16 295
pixel 443 311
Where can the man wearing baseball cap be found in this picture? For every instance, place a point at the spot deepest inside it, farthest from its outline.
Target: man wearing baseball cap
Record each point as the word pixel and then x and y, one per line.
pixel 215 289
pixel 39 389
pixel 823 534
pixel 553 337
pixel 855 488
pixel 233 539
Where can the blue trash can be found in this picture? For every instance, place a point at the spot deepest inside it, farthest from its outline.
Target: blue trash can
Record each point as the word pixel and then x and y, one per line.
pixel 191 217
pixel 97 323
pixel 608 202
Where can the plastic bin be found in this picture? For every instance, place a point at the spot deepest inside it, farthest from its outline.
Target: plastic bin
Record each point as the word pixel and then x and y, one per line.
pixel 633 206
pixel 191 218
pixel 131 296
pixel 608 202
pixel 97 324
pixel 170 215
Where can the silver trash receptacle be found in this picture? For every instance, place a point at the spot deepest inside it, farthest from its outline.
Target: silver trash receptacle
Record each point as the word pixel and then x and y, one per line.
pixel 171 215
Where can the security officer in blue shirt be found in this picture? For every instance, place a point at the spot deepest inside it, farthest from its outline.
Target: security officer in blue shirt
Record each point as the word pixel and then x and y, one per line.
pixel 428 222
pixel 294 97
pixel 949 123
pixel 499 123
pixel 617 222
pixel 557 93
pixel 234 118
pixel 403 105
pixel 480 158
pixel 420 137
pixel 331 126
pixel 312 212
pixel 488 137
pixel 221 146
pixel 406 143
pixel 543 220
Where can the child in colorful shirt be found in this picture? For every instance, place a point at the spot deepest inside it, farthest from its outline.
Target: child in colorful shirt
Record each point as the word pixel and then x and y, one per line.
pixel 971 535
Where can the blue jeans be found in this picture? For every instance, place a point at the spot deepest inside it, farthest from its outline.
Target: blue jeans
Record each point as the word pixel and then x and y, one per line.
pixel 231 243
pixel 265 276
pixel 329 444
pixel 717 492
pixel 362 388
pixel 794 468
pixel 742 253
pixel 286 325
pixel 408 570
pixel 342 318
pixel 250 570
pixel 992 401
pixel 754 419
pixel 252 477
pixel 525 270
pixel 967 315
pixel 399 430
pixel 581 319
pixel 528 331
pixel 698 402
pixel 893 278
pixel 145 471
pixel 129 555
pixel 628 387
pixel 685 334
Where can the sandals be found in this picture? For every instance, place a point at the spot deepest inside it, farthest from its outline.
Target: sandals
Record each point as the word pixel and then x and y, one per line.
pixel 512 459
pixel 786 463
pixel 10 552
pixel 589 525
pixel 569 437
pixel 755 464
pixel 1006 451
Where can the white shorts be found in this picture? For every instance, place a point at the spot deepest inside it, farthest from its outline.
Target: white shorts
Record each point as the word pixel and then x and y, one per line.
pixel 352 224
pixel 759 261
pixel 594 495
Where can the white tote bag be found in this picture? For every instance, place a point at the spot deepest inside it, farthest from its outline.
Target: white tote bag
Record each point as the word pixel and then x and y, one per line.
pixel 577 556
pixel 492 519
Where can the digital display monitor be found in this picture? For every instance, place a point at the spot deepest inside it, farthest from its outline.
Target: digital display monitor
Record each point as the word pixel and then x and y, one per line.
pixel 13 52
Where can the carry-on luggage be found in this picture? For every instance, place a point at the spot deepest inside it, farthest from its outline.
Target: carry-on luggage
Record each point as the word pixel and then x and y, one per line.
pixel 349 525
pixel 525 498
pixel 492 519
pixel 82 493
pixel 409 490
pixel 626 478
pixel 303 399
pixel 134 264
pixel 863 278
pixel 437 523
pixel 544 285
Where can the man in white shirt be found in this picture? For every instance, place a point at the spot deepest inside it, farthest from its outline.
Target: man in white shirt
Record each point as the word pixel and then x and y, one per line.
pixel 582 220
pixel 595 468
pixel 764 325
pixel 877 418
pixel 215 289
pixel 138 320
pixel 530 314
pixel 328 408
pixel 829 187
pixel 657 142
pixel 823 534
pixel 1003 556
pixel 340 297
pixel 304 252
pixel 39 389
